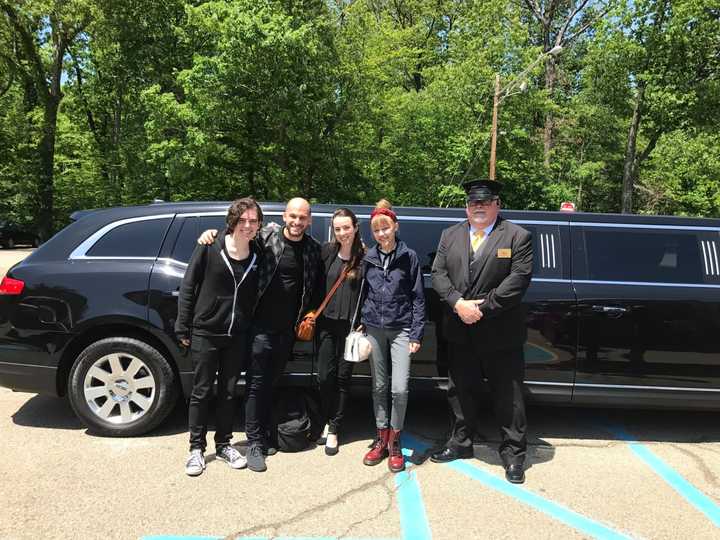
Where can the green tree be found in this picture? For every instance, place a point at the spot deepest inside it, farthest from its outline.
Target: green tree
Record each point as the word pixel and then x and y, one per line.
pixel 41 33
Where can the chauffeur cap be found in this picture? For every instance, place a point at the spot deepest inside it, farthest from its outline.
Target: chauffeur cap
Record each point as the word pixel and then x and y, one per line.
pixel 482 190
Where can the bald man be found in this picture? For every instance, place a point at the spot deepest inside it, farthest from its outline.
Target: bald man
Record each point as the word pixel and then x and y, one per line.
pixel 290 284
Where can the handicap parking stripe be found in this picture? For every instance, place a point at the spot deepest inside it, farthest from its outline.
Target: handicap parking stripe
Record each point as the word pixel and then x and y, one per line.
pixel 413 519
pixel 689 492
pixel 554 510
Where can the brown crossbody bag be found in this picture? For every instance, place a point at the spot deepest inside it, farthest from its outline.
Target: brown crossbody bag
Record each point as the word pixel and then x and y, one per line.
pixel 305 329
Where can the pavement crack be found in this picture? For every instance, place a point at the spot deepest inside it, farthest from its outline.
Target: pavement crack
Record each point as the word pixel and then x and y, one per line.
pixel 310 512
pixel 707 473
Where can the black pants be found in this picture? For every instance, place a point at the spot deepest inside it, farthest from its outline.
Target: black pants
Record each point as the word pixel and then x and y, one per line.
pixel 225 358
pixel 334 373
pixel 504 370
pixel 269 354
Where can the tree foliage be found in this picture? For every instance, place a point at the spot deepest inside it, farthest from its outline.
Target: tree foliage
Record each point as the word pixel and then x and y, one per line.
pixel 106 102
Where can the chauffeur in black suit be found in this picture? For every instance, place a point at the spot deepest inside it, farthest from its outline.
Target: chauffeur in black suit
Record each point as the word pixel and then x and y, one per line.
pixel 481 272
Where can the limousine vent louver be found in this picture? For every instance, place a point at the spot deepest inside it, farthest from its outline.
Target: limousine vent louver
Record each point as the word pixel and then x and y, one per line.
pixel 710 257
pixel 547 250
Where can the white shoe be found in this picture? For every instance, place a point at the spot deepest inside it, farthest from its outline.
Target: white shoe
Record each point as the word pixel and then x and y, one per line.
pixel 195 464
pixel 331 445
pixel 322 439
pixel 232 457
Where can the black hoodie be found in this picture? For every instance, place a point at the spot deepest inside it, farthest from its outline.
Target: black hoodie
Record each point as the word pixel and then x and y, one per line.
pixel 212 301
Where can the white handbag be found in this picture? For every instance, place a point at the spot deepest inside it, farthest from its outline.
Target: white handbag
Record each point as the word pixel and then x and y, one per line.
pixel 357 346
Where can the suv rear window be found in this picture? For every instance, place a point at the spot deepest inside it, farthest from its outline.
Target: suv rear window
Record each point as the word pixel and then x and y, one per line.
pixel 135 239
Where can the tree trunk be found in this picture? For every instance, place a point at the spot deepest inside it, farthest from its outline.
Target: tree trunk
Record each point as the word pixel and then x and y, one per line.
pixel 629 166
pixel 46 151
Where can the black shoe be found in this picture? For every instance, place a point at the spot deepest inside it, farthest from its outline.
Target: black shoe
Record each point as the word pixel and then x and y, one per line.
pixel 269 450
pixel 450 454
pixel 515 473
pixel 255 458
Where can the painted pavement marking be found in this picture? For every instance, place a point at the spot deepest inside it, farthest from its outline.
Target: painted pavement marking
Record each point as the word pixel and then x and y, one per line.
pixel 554 510
pixel 674 479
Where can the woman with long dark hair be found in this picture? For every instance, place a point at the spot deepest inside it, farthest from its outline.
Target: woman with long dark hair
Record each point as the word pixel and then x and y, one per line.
pixel 343 253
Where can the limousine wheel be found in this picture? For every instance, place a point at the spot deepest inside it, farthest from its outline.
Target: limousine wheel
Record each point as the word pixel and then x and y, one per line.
pixel 121 387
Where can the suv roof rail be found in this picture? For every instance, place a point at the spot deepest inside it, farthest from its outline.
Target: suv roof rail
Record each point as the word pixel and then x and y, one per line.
pixel 79 214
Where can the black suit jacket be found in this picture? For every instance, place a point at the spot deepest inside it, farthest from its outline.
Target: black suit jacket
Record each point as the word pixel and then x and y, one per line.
pixel 500 275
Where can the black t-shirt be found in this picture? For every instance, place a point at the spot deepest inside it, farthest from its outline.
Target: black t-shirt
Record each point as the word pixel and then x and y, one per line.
pixel 278 309
pixel 238 266
pixel 341 305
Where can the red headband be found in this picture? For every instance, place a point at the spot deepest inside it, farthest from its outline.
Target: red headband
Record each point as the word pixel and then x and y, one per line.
pixel 383 212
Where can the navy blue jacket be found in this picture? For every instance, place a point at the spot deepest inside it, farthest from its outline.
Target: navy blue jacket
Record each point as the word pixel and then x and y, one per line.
pixel 395 298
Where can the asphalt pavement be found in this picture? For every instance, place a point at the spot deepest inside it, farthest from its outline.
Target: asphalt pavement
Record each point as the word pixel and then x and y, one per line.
pixel 591 473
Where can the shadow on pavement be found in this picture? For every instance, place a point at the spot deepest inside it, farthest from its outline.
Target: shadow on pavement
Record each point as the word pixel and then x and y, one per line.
pixel 428 418
pixel 47 412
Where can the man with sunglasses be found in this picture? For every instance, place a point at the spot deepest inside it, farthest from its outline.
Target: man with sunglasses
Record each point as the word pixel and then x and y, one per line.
pixel 481 271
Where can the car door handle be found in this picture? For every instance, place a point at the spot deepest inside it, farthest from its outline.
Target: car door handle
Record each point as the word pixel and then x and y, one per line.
pixel 610 310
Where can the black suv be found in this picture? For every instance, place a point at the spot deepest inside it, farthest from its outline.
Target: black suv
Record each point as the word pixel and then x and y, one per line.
pixel 622 310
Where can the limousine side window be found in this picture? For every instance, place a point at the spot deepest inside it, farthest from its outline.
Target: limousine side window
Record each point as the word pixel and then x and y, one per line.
pixel 186 240
pixel 421 236
pixel 134 239
pixel 191 228
pixel 640 255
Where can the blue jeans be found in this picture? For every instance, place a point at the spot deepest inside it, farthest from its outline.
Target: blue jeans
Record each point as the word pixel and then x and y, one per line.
pixel 390 349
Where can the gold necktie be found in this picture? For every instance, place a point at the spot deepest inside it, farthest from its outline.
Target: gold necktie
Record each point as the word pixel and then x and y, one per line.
pixel 477 239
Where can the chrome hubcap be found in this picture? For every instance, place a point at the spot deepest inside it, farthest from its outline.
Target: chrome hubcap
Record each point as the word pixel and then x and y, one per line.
pixel 119 388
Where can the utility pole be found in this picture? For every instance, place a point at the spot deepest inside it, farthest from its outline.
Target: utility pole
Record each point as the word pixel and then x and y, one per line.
pixel 493 140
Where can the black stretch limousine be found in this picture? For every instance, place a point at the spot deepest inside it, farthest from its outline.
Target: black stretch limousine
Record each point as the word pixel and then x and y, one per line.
pixel 622 310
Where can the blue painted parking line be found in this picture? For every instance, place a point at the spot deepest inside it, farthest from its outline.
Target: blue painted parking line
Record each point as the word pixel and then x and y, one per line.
pixel 171 537
pixel 413 519
pixel 689 492
pixel 554 510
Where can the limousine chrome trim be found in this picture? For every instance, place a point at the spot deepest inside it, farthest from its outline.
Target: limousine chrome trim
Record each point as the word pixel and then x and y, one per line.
pixel 710 256
pixel 85 246
pixel 645 283
pixel 642 226
pixel 547 250
pixel 222 213
pixel 647 387
pixel 544 383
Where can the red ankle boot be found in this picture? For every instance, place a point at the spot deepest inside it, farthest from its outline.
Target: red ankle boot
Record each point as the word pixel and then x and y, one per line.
pixel 379 450
pixel 396 463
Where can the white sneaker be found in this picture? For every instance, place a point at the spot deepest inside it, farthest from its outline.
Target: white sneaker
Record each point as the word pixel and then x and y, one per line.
pixel 232 457
pixel 195 464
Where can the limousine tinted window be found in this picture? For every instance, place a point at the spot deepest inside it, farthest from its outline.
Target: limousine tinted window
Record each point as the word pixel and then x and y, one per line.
pixel 186 239
pixel 644 255
pixel 135 239
pixel 421 236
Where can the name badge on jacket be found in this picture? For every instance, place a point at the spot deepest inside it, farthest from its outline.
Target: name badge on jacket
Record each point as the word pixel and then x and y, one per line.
pixel 504 253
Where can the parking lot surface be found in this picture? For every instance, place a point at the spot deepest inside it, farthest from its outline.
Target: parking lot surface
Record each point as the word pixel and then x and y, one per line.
pixel 592 473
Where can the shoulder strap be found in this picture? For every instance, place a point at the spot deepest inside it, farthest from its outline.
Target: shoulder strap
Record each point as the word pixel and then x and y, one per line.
pixel 332 291
pixel 357 307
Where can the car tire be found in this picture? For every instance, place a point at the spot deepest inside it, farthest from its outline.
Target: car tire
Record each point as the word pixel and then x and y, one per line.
pixel 121 387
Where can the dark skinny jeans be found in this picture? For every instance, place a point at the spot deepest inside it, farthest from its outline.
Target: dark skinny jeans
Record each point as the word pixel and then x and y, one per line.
pixel 334 373
pixel 225 358
pixel 269 354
